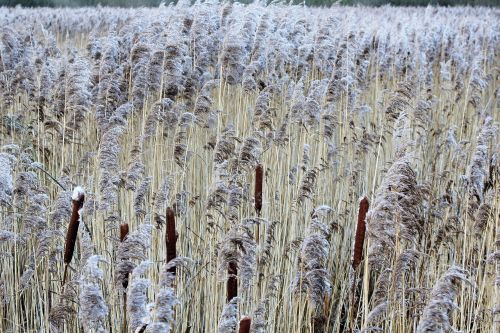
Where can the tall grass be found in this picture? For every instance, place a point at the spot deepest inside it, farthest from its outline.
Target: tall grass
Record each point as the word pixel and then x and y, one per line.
pixel 222 149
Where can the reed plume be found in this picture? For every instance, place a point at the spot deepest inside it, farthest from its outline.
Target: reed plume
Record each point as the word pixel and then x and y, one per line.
pixel 93 309
pixel 228 320
pixel 133 248
pixel 6 185
pixel 436 315
pixel 137 298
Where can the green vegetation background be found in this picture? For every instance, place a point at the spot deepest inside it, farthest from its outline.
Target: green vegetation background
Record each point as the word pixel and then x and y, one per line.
pixel 136 3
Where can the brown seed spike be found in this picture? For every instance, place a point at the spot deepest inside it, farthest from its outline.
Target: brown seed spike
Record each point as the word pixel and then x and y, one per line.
pixel 123 231
pixel 360 232
pixel 171 238
pixel 77 201
pixel 259 177
pixel 232 281
pixel 245 324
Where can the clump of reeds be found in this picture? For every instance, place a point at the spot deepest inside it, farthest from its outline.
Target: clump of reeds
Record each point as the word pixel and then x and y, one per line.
pixel 176 116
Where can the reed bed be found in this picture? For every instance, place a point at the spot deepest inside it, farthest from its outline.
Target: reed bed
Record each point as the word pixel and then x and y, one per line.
pixel 206 161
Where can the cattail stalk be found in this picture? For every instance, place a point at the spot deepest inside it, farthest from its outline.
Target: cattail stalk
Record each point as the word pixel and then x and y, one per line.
pixel 245 323
pixel 259 177
pixel 359 240
pixel 232 282
pixel 77 200
pixel 171 238
pixel 360 233
pixel 124 229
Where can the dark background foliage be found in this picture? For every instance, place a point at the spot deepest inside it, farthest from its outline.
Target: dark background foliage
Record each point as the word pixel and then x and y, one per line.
pixel 136 3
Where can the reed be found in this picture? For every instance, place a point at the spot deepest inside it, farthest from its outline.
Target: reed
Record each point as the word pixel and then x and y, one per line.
pixel 172 119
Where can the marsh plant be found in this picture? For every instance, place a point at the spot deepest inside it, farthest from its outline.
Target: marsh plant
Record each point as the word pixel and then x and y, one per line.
pixel 221 167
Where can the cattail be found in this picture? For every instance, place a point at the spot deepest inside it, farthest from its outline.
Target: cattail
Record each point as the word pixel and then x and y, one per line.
pixel 358 253
pixel 171 238
pixel 259 176
pixel 123 231
pixel 123 234
pixel 360 233
pixel 232 282
pixel 245 324
pixel 78 199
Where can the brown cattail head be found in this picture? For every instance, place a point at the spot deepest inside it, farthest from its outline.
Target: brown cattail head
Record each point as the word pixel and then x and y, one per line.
pixel 123 234
pixel 232 281
pixel 123 231
pixel 259 177
pixel 360 232
pixel 78 199
pixel 245 324
pixel 171 237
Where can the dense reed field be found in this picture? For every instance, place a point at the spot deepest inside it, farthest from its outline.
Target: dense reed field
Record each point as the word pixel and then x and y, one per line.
pixel 228 167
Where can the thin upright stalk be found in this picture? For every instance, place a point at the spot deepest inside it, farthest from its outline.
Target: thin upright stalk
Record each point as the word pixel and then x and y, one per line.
pixel 232 282
pixel 77 201
pixel 171 238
